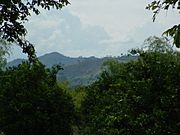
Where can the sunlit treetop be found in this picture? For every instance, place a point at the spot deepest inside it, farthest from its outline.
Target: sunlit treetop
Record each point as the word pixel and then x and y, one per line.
pixel 13 15
pixel 156 6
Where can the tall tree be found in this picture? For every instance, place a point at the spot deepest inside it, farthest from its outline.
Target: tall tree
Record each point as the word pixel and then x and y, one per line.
pixel 31 102
pixel 13 15
pixel 140 97
pixel 156 6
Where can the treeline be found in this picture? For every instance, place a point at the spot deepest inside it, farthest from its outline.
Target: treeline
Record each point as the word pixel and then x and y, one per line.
pixel 140 97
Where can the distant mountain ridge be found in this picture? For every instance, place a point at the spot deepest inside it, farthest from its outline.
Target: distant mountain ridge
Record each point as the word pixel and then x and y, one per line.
pixel 78 71
pixel 50 59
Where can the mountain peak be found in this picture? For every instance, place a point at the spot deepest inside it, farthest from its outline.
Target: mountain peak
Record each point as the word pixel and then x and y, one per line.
pixel 78 71
pixel 52 54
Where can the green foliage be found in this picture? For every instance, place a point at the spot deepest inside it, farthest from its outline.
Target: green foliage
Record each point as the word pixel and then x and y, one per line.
pixel 174 32
pixel 13 15
pixel 64 85
pixel 136 98
pixel 31 102
pixel 82 73
pixel 156 6
pixel 78 94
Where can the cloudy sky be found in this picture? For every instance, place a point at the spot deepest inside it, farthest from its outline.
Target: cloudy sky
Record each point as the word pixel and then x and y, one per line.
pixel 95 28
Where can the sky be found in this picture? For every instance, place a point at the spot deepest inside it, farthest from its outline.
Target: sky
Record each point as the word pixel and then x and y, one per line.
pixel 95 28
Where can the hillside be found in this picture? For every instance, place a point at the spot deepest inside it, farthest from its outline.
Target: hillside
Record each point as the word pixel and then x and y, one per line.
pixel 82 73
pixel 50 59
pixel 78 71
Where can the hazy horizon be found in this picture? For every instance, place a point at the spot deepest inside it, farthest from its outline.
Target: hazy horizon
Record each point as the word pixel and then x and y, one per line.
pixel 95 28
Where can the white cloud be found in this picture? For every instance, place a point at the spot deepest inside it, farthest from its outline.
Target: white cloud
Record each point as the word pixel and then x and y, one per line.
pixel 118 17
pixel 66 35
pixel 96 27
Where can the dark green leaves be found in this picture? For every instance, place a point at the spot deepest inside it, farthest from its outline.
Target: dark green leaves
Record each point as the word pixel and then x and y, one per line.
pixel 140 97
pixel 156 6
pixel 174 32
pixel 31 104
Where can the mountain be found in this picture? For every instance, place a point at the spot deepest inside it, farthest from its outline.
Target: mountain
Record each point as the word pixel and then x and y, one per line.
pixel 15 62
pixel 82 73
pixel 55 58
pixel 78 71
pixel 50 59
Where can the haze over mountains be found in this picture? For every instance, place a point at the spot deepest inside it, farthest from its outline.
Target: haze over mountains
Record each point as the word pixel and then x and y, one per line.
pixel 78 71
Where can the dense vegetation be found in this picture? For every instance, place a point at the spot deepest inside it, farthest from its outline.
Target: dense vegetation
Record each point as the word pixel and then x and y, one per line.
pixel 32 103
pixel 139 97
pixel 136 98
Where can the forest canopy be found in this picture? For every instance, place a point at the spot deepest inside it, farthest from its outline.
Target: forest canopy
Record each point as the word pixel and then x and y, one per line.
pixel 138 97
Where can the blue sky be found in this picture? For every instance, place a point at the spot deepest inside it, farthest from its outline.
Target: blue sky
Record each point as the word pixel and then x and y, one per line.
pixel 95 28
